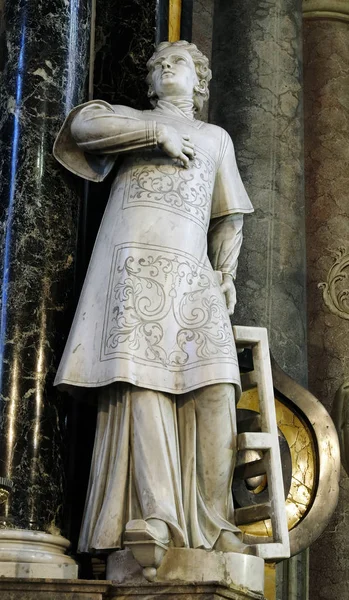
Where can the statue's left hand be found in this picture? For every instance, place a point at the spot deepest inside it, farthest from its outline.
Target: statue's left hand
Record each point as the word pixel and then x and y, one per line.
pixel 228 288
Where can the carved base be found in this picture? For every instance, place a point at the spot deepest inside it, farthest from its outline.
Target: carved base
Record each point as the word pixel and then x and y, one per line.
pixel 31 589
pixel 35 554
pixel 207 591
pixel 50 589
pixel 194 567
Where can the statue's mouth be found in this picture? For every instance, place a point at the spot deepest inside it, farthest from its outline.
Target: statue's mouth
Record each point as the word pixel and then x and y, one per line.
pixel 167 73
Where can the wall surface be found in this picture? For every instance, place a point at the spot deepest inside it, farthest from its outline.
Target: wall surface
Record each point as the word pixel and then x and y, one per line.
pixel 326 87
pixel 257 97
pixel 202 34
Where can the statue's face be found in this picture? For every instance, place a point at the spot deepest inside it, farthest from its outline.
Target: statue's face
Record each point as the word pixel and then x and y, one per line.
pixel 173 73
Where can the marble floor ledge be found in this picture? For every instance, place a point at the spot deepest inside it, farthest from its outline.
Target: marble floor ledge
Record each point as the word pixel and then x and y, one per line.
pixel 58 589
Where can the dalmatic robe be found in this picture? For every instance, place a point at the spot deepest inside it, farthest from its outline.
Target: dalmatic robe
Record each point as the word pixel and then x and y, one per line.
pixel 151 312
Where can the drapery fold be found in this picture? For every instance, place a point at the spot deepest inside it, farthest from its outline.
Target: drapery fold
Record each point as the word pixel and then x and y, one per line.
pixel 146 464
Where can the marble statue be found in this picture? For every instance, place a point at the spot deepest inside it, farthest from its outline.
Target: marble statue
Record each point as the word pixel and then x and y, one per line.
pixel 152 332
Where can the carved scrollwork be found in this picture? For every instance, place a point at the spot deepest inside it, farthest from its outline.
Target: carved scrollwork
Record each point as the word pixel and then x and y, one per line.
pixel 335 290
pixel 159 183
pixel 161 299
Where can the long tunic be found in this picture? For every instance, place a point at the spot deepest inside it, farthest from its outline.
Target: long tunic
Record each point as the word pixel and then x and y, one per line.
pixel 151 311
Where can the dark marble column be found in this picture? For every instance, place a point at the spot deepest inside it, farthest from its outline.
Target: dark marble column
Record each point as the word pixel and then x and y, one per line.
pixel 256 95
pixel 44 64
pixel 126 33
pixel 125 37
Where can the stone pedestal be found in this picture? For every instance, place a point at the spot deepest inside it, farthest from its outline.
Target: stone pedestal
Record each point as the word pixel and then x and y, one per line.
pixel 35 554
pixel 188 567
pixel 104 590
pixel 176 591
pixel 53 589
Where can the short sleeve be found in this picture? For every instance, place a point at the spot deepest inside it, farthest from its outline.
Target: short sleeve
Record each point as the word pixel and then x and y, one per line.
pixel 229 194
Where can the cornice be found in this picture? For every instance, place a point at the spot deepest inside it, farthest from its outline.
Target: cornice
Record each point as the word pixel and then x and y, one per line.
pixel 326 9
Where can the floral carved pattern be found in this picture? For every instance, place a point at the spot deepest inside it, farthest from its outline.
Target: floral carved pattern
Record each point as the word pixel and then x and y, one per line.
pixel 165 307
pixel 167 185
pixel 335 290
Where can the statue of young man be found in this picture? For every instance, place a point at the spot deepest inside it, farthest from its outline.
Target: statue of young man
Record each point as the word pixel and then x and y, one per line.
pixel 152 329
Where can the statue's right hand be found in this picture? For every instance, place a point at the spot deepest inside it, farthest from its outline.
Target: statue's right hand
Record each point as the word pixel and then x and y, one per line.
pixel 174 144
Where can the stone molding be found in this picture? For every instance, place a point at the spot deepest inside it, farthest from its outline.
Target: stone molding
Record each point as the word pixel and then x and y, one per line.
pixel 326 9
pixel 229 570
pixel 31 554
pixel 51 589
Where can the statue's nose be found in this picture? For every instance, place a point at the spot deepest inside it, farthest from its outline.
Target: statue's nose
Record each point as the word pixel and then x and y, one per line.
pixel 166 64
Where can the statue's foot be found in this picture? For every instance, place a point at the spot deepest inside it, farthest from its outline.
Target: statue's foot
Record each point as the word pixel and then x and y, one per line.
pixel 148 542
pixel 229 542
pixel 153 529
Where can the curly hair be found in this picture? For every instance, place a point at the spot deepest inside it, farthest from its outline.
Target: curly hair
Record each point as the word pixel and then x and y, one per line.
pixel 203 71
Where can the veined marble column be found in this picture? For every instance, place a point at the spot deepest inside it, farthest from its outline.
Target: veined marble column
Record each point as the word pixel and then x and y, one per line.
pixel 43 74
pixel 126 31
pixel 256 95
pixel 326 106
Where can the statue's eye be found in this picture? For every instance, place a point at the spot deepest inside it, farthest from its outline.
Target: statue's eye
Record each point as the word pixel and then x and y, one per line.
pixel 180 59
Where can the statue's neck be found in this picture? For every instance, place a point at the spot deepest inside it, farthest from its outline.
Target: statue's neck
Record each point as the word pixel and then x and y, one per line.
pixel 185 105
